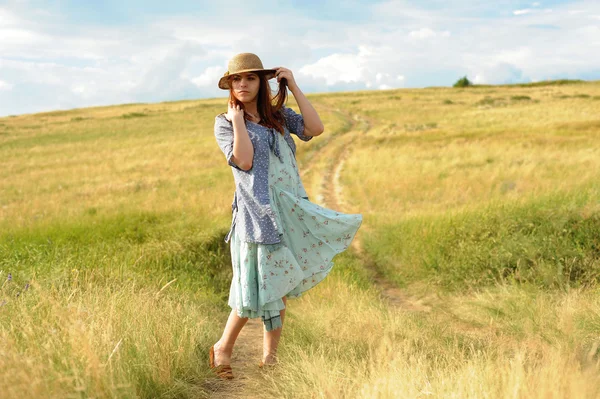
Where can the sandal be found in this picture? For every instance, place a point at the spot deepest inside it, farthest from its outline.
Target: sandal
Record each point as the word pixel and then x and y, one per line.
pixel 223 371
pixel 269 366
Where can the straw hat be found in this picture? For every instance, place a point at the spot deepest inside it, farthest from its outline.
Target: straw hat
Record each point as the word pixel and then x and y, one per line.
pixel 244 62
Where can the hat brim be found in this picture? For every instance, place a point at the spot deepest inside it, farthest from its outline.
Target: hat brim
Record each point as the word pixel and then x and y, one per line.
pixel 224 81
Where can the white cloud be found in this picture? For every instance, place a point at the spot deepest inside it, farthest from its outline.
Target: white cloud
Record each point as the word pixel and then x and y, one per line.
pixel 8 19
pixel 210 76
pixel 536 4
pixel 337 68
pixel 498 73
pixel 367 68
pixel 422 33
pixel 380 75
pixel 20 37
pixel 426 33
pixel 522 12
pixel 79 89
pixel 404 11
pixel 5 86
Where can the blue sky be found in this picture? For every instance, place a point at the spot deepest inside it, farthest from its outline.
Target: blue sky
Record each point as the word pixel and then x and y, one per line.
pixel 71 54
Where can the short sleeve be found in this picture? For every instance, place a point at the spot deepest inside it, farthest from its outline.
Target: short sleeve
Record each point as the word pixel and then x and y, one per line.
pixel 224 136
pixel 295 123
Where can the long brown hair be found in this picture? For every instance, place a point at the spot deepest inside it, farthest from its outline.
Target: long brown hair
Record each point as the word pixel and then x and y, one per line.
pixel 268 107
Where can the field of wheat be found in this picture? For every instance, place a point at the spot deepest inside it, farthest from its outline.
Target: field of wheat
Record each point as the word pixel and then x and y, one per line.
pixel 474 275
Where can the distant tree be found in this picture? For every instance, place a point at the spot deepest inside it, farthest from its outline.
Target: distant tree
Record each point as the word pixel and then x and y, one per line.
pixel 463 82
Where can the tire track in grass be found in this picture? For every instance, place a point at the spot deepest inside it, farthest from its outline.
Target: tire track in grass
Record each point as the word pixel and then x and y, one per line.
pixel 327 167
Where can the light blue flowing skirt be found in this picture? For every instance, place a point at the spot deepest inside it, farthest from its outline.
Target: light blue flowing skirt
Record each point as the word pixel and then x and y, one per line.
pixel 311 236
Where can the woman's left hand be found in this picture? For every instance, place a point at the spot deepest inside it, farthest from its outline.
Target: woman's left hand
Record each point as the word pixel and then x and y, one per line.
pixel 284 73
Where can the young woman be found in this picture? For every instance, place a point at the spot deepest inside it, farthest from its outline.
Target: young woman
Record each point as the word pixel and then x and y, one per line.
pixel 281 243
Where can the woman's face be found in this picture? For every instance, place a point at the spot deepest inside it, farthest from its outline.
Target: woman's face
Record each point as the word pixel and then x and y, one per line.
pixel 245 86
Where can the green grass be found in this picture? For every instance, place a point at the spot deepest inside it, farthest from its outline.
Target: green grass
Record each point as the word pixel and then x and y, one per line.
pixel 550 241
pixel 96 284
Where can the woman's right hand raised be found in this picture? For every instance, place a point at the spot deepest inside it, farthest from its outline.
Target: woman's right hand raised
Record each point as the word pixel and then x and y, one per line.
pixel 234 112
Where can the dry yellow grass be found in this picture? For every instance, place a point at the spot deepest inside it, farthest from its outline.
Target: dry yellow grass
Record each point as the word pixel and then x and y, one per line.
pixel 499 343
pixel 116 215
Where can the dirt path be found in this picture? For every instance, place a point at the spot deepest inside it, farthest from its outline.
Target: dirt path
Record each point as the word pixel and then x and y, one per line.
pixel 244 362
pixel 326 171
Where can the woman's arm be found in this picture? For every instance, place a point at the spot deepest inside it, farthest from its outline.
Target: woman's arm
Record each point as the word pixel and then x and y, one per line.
pixel 243 150
pixel 312 122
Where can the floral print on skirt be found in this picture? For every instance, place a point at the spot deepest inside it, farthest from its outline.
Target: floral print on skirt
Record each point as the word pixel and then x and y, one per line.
pixel 311 236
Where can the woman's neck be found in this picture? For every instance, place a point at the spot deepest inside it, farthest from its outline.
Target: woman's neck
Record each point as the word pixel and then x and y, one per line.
pixel 251 107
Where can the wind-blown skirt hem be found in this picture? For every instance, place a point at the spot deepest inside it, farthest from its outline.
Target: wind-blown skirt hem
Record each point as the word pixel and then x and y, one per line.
pixel 263 274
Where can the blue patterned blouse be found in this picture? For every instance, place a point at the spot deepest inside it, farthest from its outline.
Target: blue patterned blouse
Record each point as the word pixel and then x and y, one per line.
pixel 251 210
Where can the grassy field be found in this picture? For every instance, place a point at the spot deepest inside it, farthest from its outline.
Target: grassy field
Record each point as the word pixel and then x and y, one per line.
pixel 480 204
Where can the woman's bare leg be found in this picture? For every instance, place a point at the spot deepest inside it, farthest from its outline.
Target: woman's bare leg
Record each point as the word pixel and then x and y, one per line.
pixel 271 340
pixel 224 347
